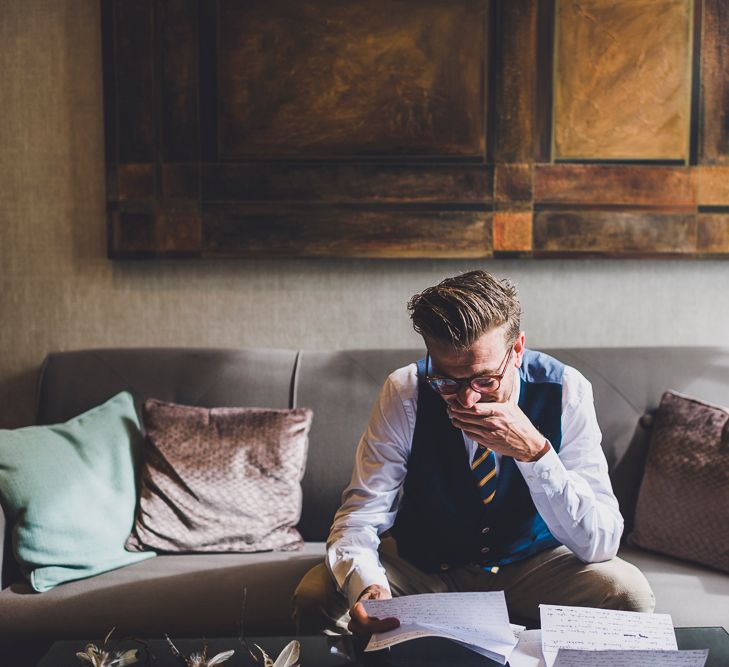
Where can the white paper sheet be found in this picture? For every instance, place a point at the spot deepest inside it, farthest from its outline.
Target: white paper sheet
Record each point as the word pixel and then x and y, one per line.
pixel 587 628
pixel 528 651
pixel 572 658
pixel 477 620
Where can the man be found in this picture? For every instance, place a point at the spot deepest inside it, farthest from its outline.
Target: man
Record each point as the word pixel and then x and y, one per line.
pixel 480 470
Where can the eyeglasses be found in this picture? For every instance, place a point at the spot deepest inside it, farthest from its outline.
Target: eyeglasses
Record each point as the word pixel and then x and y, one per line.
pixel 483 384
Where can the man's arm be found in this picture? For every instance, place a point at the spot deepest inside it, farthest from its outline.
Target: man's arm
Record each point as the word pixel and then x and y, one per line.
pixel 369 503
pixel 572 490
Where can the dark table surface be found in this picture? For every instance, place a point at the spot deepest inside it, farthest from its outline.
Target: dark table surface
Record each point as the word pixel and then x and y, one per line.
pixel 338 652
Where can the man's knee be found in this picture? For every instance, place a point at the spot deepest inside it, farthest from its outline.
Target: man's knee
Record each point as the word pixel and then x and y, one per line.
pixel 624 586
pixel 318 606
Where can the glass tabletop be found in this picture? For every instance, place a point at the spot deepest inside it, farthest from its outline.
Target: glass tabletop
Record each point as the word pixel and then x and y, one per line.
pixel 320 651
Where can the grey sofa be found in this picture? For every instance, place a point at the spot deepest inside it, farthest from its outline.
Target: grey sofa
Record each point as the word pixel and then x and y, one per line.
pixel 194 595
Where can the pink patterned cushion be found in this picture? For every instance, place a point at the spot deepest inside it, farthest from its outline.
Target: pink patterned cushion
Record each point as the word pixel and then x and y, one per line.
pixel 683 504
pixel 220 479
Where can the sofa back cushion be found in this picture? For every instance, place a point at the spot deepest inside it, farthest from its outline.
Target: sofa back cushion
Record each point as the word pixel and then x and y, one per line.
pixel 72 382
pixel 341 386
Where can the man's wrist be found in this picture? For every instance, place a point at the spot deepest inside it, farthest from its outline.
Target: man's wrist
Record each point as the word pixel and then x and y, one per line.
pixel 535 457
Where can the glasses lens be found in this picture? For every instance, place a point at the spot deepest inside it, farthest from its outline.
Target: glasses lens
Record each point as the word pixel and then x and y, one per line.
pixel 444 386
pixel 485 384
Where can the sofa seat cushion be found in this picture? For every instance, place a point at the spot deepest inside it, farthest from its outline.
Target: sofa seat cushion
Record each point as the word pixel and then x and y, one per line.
pixel 181 595
pixel 694 595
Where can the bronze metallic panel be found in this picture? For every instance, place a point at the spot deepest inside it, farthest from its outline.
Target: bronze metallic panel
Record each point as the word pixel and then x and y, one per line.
pixel 515 81
pixel 614 233
pixel 347 183
pixel 714 108
pixel 180 230
pixel 324 79
pixel 622 79
pixel 132 233
pixel 136 181
pixel 181 181
pixel 178 39
pixel 713 186
pixel 713 235
pixel 512 231
pixel 135 85
pixel 615 185
pixel 513 183
pixel 230 231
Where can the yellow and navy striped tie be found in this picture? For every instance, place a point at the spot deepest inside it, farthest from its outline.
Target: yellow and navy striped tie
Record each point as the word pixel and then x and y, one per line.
pixel 484 470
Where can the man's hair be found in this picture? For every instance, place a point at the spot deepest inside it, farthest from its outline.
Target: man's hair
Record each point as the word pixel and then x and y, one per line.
pixel 459 310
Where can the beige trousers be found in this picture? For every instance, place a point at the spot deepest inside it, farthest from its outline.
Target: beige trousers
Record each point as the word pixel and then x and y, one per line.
pixel 555 576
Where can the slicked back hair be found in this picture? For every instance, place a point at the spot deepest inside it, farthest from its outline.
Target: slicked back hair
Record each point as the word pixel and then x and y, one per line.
pixel 459 310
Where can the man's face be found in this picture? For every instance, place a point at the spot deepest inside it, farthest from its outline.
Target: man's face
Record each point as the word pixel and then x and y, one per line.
pixel 485 357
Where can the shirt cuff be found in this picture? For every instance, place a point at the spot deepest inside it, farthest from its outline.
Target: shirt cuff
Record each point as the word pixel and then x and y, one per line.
pixel 547 475
pixel 359 580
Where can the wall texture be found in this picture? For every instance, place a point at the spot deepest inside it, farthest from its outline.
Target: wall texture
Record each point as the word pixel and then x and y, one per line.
pixel 58 290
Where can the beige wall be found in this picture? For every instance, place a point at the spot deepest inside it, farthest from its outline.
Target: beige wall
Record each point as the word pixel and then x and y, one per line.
pixel 58 291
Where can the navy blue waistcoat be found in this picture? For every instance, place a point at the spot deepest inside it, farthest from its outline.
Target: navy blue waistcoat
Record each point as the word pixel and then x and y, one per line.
pixel 441 521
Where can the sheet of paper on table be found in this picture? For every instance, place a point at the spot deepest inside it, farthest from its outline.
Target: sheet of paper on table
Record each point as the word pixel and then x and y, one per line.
pixel 587 628
pixel 478 621
pixel 528 653
pixel 571 658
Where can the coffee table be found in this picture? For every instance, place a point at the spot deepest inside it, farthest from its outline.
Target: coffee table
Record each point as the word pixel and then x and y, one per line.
pixel 319 651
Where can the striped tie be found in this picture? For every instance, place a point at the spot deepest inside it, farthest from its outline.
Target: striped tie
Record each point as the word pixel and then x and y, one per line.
pixel 484 470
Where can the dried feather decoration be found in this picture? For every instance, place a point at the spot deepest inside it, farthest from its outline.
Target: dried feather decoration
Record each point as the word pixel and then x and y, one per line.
pixel 199 659
pixel 289 656
pixel 100 657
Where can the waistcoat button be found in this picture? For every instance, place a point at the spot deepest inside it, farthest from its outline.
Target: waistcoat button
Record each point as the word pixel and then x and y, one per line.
pixel 444 566
pixel 485 550
pixel 485 530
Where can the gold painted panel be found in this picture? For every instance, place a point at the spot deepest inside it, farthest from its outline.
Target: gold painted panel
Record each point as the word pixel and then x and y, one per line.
pixel 325 79
pixel 622 79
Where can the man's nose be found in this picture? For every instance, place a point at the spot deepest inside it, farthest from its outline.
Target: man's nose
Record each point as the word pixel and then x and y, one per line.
pixel 467 397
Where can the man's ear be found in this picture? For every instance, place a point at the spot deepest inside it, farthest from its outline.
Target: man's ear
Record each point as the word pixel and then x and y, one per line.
pixel 519 347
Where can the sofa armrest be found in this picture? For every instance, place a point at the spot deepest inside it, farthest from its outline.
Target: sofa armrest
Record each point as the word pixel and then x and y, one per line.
pixel 3 545
pixel 9 570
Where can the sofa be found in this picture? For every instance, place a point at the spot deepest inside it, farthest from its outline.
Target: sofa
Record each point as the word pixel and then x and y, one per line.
pixel 202 594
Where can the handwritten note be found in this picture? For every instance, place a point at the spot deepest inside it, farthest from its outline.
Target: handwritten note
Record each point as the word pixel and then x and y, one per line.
pixel 572 658
pixel 587 628
pixel 479 621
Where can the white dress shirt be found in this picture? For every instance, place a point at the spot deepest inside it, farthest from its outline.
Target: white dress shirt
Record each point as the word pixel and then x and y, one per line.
pixel 571 490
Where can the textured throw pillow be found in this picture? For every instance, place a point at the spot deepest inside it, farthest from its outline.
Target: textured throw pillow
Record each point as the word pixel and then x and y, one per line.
pixel 683 503
pixel 69 491
pixel 220 479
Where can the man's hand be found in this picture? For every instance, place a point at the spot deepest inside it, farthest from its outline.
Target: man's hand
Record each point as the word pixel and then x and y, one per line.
pixel 364 626
pixel 502 427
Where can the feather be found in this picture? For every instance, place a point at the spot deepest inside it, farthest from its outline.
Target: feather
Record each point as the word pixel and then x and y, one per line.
pixel 84 656
pixel 289 657
pixel 220 657
pixel 127 658
pixel 267 662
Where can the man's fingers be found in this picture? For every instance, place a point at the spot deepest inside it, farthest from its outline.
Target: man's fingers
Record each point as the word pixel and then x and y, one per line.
pixel 363 625
pixel 358 613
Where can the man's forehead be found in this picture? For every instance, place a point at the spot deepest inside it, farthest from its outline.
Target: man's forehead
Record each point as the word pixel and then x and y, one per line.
pixel 485 355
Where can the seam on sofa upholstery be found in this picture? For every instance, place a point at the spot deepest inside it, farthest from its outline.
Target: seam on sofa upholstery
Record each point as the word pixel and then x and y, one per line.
pixel 294 386
pixel 38 385
pixel 615 388
pixel 365 371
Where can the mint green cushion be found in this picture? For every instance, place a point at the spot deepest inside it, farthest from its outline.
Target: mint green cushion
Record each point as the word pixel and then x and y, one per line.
pixel 69 491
